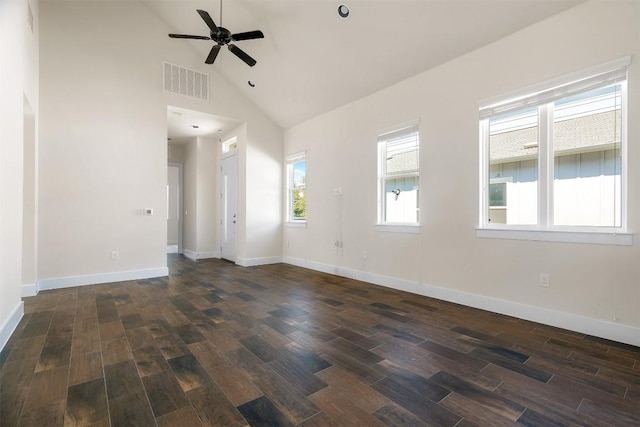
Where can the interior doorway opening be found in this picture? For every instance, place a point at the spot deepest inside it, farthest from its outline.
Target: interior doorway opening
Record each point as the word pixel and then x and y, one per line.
pixel 174 208
pixel 194 181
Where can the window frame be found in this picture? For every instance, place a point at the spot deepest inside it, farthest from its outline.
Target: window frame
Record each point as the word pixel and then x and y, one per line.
pixel 230 145
pixel 383 137
pixel 545 229
pixel 290 162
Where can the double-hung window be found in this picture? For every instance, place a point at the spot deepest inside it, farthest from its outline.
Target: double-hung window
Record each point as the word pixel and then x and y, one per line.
pixel 297 188
pixel 554 159
pixel 399 175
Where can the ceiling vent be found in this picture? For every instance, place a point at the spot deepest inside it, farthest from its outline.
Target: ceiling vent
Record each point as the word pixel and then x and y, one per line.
pixel 185 81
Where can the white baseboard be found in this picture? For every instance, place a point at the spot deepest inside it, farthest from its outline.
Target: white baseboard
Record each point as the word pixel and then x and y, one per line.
pixel 252 262
pixel 29 290
pixel 573 322
pixel 11 324
pixel 172 249
pixel 194 256
pixel 207 255
pixel 94 279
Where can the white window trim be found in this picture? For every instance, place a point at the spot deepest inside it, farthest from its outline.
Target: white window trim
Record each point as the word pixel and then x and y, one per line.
pixel 395 227
pixel 600 237
pixel 545 231
pixel 289 161
pixel 299 223
pixel 506 98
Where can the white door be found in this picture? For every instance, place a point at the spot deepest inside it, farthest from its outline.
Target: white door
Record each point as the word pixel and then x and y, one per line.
pixel 229 197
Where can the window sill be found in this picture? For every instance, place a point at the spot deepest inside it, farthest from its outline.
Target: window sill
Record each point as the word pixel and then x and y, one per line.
pixel 399 228
pixel 296 224
pixel 588 237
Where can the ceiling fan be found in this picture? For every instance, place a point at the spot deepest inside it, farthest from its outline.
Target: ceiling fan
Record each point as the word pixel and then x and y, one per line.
pixel 222 37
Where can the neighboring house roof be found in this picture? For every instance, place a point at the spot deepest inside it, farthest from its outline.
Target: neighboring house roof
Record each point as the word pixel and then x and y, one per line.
pixel 583 134
pixel 404 162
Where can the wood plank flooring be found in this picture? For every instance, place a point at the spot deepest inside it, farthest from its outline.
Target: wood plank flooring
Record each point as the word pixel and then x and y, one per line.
pixel 219 345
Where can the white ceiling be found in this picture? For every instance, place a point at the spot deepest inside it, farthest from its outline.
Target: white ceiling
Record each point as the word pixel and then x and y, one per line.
pixel 181 125
pixel 312 61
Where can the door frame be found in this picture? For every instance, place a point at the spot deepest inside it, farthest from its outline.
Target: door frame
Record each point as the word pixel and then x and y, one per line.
pixel 180 167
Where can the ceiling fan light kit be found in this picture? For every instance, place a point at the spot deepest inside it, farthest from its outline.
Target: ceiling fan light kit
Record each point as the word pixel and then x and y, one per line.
pixel 222 37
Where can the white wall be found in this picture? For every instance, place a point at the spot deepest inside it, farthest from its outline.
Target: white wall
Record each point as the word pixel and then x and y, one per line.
pixel 103 133
pixel 190 219
pixel 173 196
pixel 264 193
pixel 208 173
pixel 201 166
pixel 18 92
pixel 175 153
pixel 591 285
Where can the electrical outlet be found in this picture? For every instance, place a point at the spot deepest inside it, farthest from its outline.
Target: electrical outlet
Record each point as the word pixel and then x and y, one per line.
pixel 544 280
pixel 115 255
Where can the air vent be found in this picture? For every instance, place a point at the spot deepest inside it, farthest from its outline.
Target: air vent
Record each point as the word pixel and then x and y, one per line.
pixel 186 82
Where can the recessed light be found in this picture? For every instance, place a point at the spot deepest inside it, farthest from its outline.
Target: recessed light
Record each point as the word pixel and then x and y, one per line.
pixel 195 126
pixel 343 11
pixel 252 84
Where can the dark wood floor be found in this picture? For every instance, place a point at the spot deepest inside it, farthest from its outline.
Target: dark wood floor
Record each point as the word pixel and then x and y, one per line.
pixel 221 345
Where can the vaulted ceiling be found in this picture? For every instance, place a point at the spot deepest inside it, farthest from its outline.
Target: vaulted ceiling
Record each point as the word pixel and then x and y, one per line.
pixel 312 60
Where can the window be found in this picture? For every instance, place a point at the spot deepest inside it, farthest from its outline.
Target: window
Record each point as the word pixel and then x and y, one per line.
pixel 297 188
pixel 230 145
pixel 554 158
pixel 399 175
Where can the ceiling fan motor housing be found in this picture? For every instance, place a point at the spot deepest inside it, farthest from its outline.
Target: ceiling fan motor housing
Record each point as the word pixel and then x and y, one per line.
pixel 223 36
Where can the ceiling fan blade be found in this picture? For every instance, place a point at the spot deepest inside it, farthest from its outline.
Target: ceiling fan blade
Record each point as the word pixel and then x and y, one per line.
pixel 249 35
pixel 207 19
pixel 242 55
pixel 188 36
pixel 212 54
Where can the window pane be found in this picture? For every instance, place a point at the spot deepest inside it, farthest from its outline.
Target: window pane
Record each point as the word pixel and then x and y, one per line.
pixel 401 199
pixel 498 194
pixel 230 145
pixel 587 166
pixel 299 174
pixel 299 205
pixel 513 160
pixel 402 154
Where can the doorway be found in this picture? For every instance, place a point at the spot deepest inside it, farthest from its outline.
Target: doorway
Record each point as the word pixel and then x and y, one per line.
pixel 229 206
pixel 174 208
